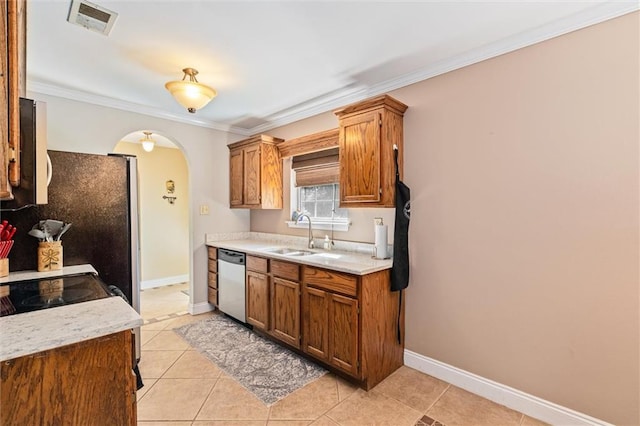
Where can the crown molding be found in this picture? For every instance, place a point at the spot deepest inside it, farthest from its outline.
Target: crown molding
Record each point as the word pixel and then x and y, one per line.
pixel 591 16
pixel 91 98
pixel 351 94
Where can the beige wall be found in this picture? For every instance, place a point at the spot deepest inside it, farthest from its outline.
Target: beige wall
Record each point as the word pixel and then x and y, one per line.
pixel 164 227
pixel 524 231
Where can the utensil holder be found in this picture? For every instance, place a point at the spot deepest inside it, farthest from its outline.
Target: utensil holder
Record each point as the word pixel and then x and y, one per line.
pixel 4 267
pixel 49 256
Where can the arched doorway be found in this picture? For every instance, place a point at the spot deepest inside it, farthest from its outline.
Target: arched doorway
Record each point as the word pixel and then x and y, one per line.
pixel 164 222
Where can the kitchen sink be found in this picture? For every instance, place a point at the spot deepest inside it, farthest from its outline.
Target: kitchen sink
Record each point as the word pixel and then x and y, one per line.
pixel 290 251
pixel 301 253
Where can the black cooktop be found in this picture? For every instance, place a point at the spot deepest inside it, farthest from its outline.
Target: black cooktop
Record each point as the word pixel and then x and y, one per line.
pixel 43 293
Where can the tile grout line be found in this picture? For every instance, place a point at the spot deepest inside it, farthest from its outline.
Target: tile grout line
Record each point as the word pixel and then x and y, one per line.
pixel 398 401
pixel 435 402
pixel 339 402
pixel 521 420
pixel 206 398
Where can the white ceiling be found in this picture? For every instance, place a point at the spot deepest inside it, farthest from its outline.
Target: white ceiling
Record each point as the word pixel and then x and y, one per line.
pixel 272 62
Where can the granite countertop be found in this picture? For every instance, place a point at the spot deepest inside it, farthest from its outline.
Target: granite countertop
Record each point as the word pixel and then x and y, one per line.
pixel 33 332
pixel 41 330
pixel 337 260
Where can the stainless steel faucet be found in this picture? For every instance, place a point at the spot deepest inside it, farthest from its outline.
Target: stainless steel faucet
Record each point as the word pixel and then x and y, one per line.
pixel 310 245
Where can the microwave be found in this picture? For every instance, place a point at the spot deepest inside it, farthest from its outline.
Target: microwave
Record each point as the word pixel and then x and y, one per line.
pixel 35 167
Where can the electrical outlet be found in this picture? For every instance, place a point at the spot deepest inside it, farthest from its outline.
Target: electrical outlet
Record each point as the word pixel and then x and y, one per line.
pixel 204 209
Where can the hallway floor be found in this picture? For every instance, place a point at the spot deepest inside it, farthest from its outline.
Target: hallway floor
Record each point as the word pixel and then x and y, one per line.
pixel 182 387
pixel 161 303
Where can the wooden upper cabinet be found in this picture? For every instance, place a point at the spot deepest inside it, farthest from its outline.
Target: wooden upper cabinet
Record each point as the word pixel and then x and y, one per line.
pixel 13 63
pixel 236 160
pixel 252 168
pixel 360 159
pixel 255 173
pixel 367 133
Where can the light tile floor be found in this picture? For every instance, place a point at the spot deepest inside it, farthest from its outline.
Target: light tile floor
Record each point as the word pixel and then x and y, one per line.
pixel 182 387
pixel 160 302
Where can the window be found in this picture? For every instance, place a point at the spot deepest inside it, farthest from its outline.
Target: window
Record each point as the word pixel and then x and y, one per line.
pixel 321 202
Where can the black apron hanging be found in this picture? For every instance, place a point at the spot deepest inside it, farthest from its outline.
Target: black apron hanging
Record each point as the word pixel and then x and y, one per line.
pixel 400 268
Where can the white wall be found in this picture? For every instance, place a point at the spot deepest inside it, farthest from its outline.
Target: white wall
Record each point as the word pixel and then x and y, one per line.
pixel 80 127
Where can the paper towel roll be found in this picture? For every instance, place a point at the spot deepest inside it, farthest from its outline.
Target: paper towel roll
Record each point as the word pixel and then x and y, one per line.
pixel 380 241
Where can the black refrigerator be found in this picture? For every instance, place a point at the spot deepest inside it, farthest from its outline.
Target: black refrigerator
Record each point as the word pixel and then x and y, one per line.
pixel 98 194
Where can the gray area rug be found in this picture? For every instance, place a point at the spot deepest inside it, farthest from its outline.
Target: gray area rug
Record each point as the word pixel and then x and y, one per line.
pixel 267 369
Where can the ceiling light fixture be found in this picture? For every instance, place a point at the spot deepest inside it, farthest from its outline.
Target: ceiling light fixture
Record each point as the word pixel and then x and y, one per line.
pixel 147 142
pixel 191 94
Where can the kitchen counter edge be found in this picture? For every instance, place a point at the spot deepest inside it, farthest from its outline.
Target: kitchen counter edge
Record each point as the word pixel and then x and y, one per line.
pixel 45 329
pixel 349 262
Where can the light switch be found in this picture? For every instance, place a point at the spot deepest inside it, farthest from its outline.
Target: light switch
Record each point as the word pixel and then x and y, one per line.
pixel 204 209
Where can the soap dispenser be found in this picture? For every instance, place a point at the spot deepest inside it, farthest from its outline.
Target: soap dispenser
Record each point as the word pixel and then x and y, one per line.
pixel 327 243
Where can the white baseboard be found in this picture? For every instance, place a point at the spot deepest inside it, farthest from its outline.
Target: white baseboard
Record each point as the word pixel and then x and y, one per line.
pixel 159 282
pixel 200 308
pixel 530 405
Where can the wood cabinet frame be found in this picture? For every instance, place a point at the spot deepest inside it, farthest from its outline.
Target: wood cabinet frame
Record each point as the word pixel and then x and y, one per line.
pixel 13 59
pixel 255 173
pixel 368 132
pixel 212 276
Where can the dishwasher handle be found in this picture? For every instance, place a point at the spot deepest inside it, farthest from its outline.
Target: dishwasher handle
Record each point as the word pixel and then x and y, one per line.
pixel 230 256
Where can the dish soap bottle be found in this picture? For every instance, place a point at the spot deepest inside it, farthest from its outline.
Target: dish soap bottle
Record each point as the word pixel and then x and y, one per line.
pixel 327 243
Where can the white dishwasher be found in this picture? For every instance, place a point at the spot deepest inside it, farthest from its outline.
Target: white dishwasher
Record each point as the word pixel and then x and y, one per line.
pixel 231 285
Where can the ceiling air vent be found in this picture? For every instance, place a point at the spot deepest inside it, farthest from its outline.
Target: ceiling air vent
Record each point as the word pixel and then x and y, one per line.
pixel 91 16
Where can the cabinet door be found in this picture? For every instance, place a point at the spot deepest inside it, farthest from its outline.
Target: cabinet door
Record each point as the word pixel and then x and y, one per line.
pixel 236 161
pixel 258 300
pixel 360 158
pixel 252 176
pixel 13 76
pixel 5 188
pixel 343 333
pixel 80 384
pixel 315 337
pixel 21 390
pixel 285 311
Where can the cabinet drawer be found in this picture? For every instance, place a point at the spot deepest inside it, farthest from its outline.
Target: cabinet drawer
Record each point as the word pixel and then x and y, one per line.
pixel 290 271
pixel 213 265
pixel 213 296
pixel 213 253
pixel 337 282
pixel 212 280
pixel 257 264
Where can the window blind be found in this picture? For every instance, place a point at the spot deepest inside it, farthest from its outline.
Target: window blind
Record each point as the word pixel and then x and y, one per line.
pixel 317 168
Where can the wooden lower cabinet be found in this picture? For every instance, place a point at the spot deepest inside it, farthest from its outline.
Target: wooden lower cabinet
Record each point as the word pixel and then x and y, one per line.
pixel 315 335
pixel 285 311
pixel 212 276
pixel 258 300
pixel 350 323
pixel 346 322
pixel 331 328
pixel 343 333
pixel 86 383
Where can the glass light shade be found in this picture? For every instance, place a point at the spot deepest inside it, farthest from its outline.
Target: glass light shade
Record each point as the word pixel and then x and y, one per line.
pixel 191 95
pixel 148 145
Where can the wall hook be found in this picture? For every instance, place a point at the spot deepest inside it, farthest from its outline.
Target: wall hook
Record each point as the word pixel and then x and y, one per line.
pixel 170 199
